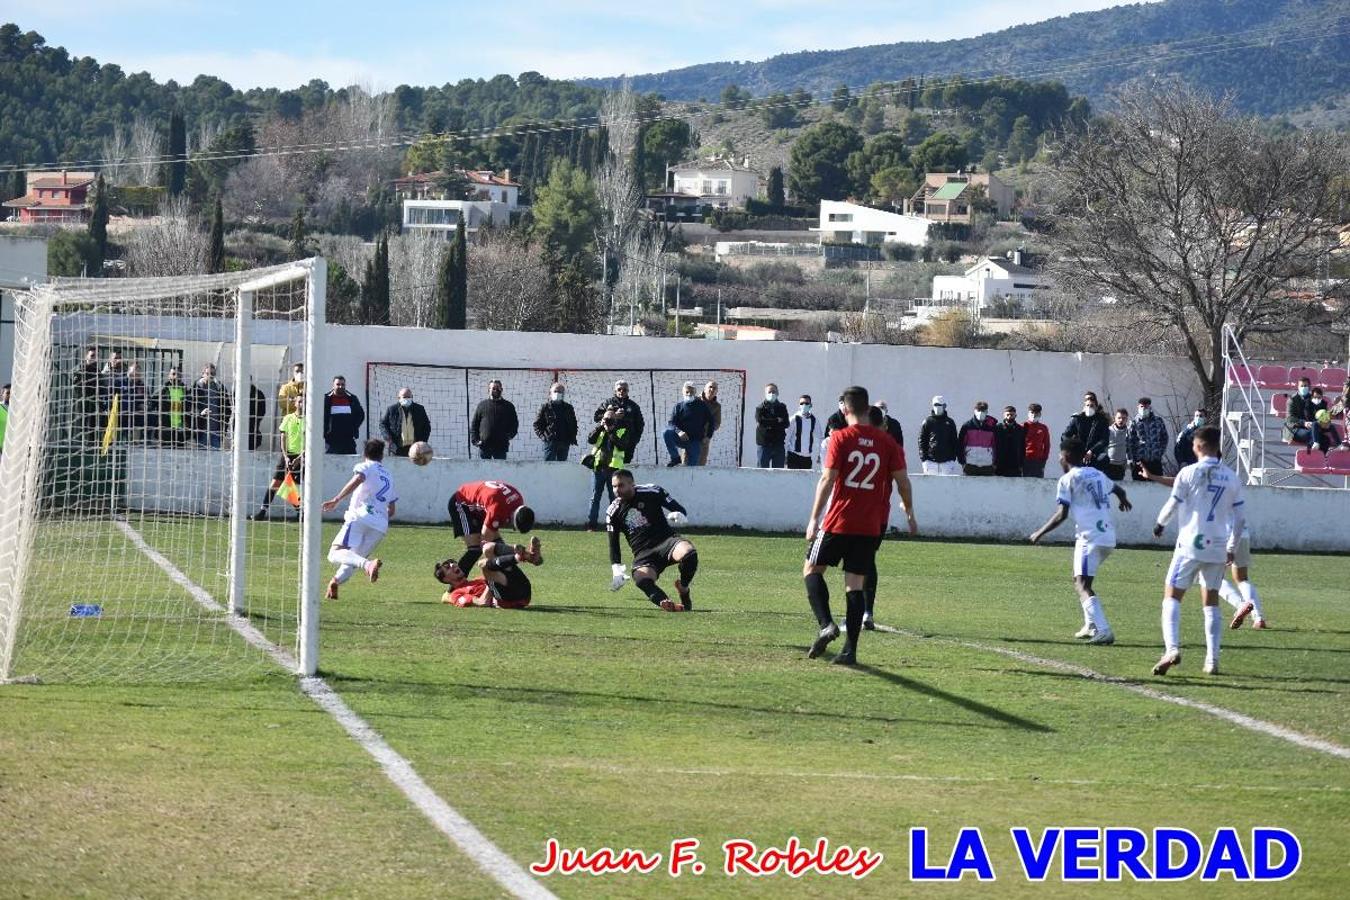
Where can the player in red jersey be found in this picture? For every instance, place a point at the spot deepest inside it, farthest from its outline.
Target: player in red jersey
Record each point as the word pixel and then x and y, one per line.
pixel 503 585
pixel 479 508
pixel 861 463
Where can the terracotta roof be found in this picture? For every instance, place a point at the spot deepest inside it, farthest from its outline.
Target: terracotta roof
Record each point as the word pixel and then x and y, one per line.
pixel 30 202
pixel 58 183
pixel 487 177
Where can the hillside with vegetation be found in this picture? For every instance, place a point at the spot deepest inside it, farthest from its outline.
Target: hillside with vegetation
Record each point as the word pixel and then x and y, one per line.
pixel 1276 57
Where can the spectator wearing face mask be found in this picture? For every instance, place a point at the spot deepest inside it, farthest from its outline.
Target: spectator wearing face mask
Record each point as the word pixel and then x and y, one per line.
pixel 892 427
pixel 709 396
pixel 1182 449
pixel 1146 443
pixel 556 425
pixel 1010 445
pixel 494 424
pixel 802 436
pixel 1325 432
pixel 1117 446
pixel 689 424
pixel 209 403
pixel 342 418
pixel 405 423
pixel 975 442
pixel 1091 428
pixel 1036 449
pixel 771 424
pixel 1300 425
pixel 938 448
pixel 291 391
pixel 611 448
pixel 835 422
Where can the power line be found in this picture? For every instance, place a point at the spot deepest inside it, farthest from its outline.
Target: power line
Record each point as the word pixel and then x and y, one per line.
pixel 1207 45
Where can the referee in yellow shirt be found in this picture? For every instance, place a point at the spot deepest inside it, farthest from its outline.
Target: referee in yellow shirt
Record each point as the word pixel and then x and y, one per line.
pixel 292 460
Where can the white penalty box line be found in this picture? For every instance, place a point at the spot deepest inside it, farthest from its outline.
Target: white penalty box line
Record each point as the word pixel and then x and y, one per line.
pixel 1242 720
pixel 449 821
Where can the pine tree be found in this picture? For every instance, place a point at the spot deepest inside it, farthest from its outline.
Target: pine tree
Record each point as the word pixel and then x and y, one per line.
pixel 774 190
pixel 375 286
pixel 298 235
pixel 457 308
pixel 176 171
pixel 445 285
pixel 215 250
pixel 98 226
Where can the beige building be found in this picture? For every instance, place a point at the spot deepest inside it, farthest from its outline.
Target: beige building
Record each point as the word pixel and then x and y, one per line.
pixel 948 196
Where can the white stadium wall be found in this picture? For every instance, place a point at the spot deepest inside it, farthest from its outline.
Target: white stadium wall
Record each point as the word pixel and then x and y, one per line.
pixel 999 509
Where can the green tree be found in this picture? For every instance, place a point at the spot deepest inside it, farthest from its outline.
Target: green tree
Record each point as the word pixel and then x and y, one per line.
pixel 566 212
pixel 577 306
pixel 881 152
pixel 914 128
pixel 71 254
pixel 175 176
pixel 801 99
pixel 1022 141
pixel 665 143
pixel 778 111
pixel 452 283
pixel 774 189
pixel 375 287
pixel 874 118
pixel 941 152
pixel 734 97
pixel 299 235
pixel 215 246
pixel 841 99
pixel 818 163
pixel 98 226
pixel 894 184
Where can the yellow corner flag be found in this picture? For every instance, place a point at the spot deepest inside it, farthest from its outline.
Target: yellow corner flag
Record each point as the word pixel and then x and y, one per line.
pixel 289 492
pixel 110 432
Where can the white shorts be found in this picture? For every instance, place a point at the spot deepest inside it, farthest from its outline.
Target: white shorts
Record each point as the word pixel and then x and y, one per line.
pixel 358 537
pixel 1087 557
pixel 1242 554
pixel 1181 574
pixel 945 468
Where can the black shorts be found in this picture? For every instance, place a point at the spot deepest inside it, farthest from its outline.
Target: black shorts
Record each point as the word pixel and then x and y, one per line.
pixel 293 464
pixel 515 593
pixel 658 557
pixel 464 519
pixel 857 552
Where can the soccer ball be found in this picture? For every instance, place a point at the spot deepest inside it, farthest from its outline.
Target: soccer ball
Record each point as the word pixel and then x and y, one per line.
pixel 420 453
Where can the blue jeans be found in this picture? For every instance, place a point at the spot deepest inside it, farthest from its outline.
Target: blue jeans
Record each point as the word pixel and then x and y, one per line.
pixel 772 457
pixel 692 447
pixel 599 483
pixel 555 451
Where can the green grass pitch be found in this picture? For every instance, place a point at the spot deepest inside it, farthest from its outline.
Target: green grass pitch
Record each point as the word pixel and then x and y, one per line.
pixel 597 720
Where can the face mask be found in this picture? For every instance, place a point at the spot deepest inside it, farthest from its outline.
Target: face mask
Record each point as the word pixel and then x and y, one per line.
pixel 771 397
pixel 1089 409
pixel 689 396
pixel 405 402
pixel 1304 390
pixel 1199 421
pixel 1035 417
pixel 298 377
pixel 1145 412
pixel 939 409
pixel 979 414
pixel 804 408
pixel 556 395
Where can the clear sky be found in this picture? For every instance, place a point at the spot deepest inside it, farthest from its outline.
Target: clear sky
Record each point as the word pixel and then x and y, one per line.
pixel 284 43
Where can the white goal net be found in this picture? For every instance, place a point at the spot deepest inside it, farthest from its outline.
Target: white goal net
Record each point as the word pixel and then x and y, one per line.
pixel 142 442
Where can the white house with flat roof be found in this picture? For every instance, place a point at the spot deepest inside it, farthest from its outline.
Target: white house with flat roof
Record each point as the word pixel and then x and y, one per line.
pixel 720 183
pixel 842 222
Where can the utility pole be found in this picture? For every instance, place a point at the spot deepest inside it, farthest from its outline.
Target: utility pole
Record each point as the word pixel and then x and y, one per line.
pixel 678 281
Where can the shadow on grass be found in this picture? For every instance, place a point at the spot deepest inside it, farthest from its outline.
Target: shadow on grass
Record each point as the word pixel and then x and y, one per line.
pixel 552 695
pixel 974 706
pixel 1143 678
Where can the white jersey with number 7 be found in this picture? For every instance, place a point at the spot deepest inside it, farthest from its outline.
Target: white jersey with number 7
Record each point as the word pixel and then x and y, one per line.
pixel 369 503
pixel 1209 498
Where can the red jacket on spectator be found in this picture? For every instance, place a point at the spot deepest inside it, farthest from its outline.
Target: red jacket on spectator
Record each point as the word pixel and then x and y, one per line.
pixel 1038 441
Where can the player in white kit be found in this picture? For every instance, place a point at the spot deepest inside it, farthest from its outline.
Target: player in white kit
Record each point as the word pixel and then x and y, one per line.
pixel 373 502
pixel 1244 597
pixel 1209 498
pixel 1086 493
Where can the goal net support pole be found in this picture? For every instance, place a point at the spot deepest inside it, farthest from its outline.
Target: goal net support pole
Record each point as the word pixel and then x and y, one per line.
pixel 311 498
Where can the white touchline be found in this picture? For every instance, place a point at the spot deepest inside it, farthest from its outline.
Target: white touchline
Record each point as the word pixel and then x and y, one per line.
pixel 489 857
pixel 1270 728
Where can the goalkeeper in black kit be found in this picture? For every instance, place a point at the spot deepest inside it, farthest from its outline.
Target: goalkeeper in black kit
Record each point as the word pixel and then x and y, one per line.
pixel 644 514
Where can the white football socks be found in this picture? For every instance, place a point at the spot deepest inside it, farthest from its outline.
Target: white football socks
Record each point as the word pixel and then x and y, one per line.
pixel 1230 594
pixel 1094 615
pixel 1171 624
pixel 1249 593
pixel 350 563
pixel 1213 630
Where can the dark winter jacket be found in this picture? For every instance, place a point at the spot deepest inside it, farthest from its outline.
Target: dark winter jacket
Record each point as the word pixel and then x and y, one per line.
pixel 556 423
pixel 693 417
pixel 1010 448
pixel 391 427
pixel 632 417
pixel 343 417
pixel 771 422
pixel 1094 433
pixel 494 424
pixel 937 439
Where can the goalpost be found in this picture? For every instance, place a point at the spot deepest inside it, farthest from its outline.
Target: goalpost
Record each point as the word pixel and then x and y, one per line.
pixel 143 431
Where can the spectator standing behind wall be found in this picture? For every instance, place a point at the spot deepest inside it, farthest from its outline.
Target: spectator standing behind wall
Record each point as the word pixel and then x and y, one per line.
pixel 405 423
pixel 610 451
pixel 135 412
pixel 893 427
pixel 494 424
pixel 632 413
pixel 1183 449
pixel 1117 446
pixel 1010 445
pixel 975 442
pixel 87 383
pixel 210 408
pixel 1146 444
pixel 709 396
pixel 1036 447
pixel 689 424
pixel 257 411
pixel 172 411
pixel 802 436
pixel 1091 428
pixel 771 424
pixel 556 425
pixel 342 418
pixel 938 447
pixel 291 391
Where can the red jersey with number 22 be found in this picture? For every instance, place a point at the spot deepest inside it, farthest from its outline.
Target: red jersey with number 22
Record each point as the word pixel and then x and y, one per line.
pixel 863 457
pixel 497 499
